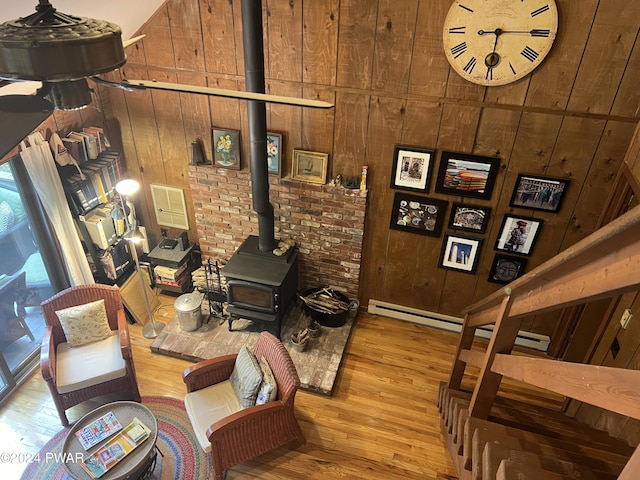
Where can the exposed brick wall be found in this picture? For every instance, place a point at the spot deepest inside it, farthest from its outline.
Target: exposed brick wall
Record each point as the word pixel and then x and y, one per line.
pixel 326 222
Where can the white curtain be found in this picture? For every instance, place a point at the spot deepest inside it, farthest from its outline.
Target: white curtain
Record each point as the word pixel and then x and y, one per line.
pixel 37 157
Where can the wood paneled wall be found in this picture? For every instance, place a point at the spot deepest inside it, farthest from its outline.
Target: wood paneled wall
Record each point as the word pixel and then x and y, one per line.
pixel 383 66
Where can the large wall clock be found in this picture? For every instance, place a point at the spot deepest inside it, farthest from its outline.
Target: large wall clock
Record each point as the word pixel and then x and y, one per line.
pixel 495 42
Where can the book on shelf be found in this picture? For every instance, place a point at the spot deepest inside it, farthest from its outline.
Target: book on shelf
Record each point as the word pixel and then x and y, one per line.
pixel 76 148
pixel 107 456
pixel 98 430
pixel 172 283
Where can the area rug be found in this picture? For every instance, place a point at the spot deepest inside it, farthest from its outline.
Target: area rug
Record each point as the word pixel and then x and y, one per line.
pixel 317 365
pixel 181 456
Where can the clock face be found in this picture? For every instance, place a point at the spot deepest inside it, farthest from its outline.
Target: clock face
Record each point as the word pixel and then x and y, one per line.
pixel 495 42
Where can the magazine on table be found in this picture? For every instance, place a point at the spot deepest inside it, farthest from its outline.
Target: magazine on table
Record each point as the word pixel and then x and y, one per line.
pixel 108 455
pixel 98 430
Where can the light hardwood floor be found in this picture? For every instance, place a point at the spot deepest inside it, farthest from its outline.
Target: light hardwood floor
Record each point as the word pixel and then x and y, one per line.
pixel 381 422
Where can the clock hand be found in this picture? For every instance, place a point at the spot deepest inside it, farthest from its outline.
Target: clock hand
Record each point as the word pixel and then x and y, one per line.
pixel 498 31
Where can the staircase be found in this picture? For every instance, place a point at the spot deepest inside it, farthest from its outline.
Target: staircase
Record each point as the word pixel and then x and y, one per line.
pixel 490 437
pixel 525 441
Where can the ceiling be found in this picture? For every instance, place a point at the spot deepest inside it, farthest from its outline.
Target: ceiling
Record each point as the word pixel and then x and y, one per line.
pixel 129 15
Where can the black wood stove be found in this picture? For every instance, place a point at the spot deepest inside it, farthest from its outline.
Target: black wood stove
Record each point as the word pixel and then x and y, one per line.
pixel 260 284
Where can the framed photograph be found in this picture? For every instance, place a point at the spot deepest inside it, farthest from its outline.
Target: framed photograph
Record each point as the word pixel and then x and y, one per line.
pixel 422 215
pixel 411 168
pixel 226 148
pixel 310 166
pixel 518 234
pixel 469 217
pixel 506 269
pixel 467 175
pixel 539 193
pixel 275 151
pixel 460 253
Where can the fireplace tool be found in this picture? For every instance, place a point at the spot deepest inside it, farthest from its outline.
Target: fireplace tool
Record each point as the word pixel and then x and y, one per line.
pixel 215 294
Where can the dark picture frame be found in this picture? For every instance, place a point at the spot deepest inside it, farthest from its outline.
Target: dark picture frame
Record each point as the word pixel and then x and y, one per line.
pixel 467 175
pixel 539 193
pixel 417 214
pixel 411 168
pixel 226 148
pixel 505 268
pixel 469 218
pixel 518 235
pixel 460 252
pixel 275 153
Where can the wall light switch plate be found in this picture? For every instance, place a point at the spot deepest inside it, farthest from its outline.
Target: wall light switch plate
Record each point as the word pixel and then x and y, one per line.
pixel 626 318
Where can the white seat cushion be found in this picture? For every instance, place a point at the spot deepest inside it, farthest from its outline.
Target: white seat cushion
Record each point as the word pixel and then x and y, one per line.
pixel 87 365
pixel 208 405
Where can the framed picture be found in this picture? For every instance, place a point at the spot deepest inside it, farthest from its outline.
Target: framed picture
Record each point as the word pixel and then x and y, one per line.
pixel 469 217
pixel 226 148
pixel 310 166
pixel 539 193
pixel 518 234
pixel 275 153
pixel 422 215
pixel 460 253
pixel 467 175
pixel 411 168
pixel 506 269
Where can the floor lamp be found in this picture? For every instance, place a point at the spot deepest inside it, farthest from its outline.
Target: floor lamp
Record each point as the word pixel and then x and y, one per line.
pixel 125 188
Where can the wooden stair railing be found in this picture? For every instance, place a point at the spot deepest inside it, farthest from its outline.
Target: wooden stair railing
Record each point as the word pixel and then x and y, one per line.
pixel 603 265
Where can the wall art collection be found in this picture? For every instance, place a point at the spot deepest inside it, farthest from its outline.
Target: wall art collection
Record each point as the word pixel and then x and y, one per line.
pixel 473 177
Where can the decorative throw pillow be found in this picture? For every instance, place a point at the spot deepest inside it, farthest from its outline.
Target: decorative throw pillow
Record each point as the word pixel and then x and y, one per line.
pixel 246 377
pixel 269 388
pixel 84 324
pixel 7 217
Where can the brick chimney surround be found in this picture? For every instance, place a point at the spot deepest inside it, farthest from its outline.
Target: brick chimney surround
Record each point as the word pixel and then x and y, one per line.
pixel 326 222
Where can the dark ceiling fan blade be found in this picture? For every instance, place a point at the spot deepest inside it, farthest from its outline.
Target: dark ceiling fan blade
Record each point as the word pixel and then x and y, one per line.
pixel 20 114
pixel 221 92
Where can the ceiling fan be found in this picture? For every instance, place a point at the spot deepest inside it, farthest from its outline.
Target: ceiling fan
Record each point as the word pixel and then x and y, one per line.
pixel 57 52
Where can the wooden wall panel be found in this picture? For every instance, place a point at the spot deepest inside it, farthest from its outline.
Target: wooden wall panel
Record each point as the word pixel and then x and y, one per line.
pixel 318 124
pixel 196 115
pixel 429 66
pixel 627 102
pixel 384 130
pixel 284 39
pixel 601 69
pixel 186 34
pixel 287 120
pixel 350 134
pixel 395 32
pixel 218 31
pixel 159 51
pixel 602 172
pixel 320 42
pixel 356 38
pixel 551 84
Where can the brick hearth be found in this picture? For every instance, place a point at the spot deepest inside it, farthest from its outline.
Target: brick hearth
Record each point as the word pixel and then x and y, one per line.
pixel 326 222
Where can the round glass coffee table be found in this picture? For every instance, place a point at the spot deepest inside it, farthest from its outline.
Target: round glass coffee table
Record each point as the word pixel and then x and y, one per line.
pixel 136 464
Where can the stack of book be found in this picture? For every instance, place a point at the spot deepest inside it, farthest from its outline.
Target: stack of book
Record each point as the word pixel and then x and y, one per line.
pixel 98 185
pixel 99 462
pixel 171 277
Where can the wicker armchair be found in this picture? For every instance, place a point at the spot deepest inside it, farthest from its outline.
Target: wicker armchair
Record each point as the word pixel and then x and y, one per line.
pixel 120 379
pixel 255 430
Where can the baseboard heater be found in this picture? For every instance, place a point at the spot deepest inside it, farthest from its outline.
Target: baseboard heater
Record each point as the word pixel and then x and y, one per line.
pixel 449 323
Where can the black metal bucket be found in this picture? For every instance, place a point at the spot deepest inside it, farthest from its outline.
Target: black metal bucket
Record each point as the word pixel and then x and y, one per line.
pixel 326 319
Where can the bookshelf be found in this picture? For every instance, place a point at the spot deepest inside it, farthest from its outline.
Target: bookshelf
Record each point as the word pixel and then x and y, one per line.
pixel 91 197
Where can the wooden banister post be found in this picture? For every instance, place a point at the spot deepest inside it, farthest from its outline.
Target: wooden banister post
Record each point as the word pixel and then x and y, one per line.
pixel 464 343
pixel 502 341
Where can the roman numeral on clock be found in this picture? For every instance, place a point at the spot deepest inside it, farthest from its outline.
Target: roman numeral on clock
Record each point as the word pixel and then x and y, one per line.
pixel 540 10
pixel 529 53
pixel 459 49
pixel 457 30
pixel 470 65
pixel 465 8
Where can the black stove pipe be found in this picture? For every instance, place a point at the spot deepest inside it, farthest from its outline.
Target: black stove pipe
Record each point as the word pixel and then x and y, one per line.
pixel 257 115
